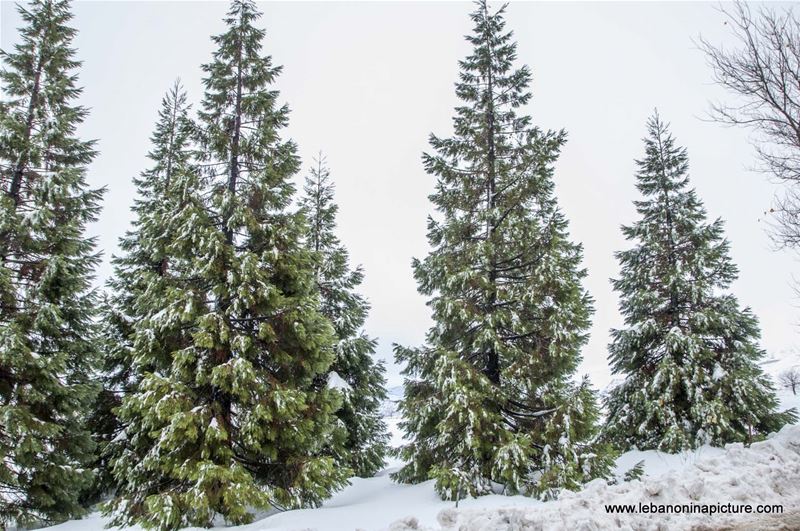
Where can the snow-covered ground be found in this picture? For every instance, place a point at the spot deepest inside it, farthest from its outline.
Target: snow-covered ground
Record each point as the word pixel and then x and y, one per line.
pixel 766 473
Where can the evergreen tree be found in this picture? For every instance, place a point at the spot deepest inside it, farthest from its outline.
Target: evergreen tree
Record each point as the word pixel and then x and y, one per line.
pixel 142 276
pixel 491 398
pixel 47 335
pixel 235 421
pixel 359 377
pixel 688 352
pixel 151 324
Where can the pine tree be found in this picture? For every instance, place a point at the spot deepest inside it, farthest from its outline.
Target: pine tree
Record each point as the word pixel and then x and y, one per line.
pixel 235 422
pixel 142 279
pixel 491 399
pixel 360 378
pixel 47 335
pixel 688 352
pixel 151 324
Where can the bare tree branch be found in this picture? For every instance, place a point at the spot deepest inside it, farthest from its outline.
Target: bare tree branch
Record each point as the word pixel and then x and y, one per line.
pixel 764 73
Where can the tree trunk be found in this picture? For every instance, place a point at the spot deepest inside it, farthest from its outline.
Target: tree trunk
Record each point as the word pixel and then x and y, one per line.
pixel 224 354
pixel 24 157
pixel 674 310
pixel 492 362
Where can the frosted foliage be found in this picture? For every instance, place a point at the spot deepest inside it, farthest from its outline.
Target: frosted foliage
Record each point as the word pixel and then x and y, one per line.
pixel 689 353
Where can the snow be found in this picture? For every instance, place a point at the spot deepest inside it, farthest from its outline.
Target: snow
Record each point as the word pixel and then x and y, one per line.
pixel 337 382
pixel 656 463
pixel 389 406
pixel 121 436
pixel 719 372
pixel 776 365
pixel 767 472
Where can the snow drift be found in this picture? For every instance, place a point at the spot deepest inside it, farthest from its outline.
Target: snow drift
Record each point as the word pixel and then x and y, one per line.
pixel 767 472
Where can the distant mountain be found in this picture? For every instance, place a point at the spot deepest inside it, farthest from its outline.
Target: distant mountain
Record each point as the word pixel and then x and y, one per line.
pixel 389 407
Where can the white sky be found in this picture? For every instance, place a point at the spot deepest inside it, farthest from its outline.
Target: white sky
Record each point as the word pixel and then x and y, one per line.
pixel 368 82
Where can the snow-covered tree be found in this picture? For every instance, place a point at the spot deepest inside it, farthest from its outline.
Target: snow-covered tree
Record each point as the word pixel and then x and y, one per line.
pixel 152 324
pixel 490 400
pixel 354 371
pixel 235 422
pixel 689 353
pixel 142 278
pixel 47 306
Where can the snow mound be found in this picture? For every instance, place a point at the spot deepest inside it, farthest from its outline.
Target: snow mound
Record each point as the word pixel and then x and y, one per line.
pixel 337 382
pixel 767 472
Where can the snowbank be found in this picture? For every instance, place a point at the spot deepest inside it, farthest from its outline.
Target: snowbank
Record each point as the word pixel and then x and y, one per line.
pixel 767 472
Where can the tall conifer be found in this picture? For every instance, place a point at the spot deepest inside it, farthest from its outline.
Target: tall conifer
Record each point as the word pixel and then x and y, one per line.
pixel 689 353
pixel 491 398
pixel 358 376
pixel 47 306
pixel 142 276
pixel 235 421
pixel 157 452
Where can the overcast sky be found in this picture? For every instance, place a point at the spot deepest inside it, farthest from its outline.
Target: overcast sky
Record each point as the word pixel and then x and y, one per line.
pixel 368 82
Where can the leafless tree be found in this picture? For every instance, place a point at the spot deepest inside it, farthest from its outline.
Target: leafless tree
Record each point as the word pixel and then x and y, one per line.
pixel 764 72
pixel 790 378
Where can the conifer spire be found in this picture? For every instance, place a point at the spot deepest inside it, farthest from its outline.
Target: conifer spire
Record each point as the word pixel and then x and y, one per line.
pixel 358 375
pixel 689 353
pixel 142 276
pixel 228 417
pixel 47 332
pixel 490 399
